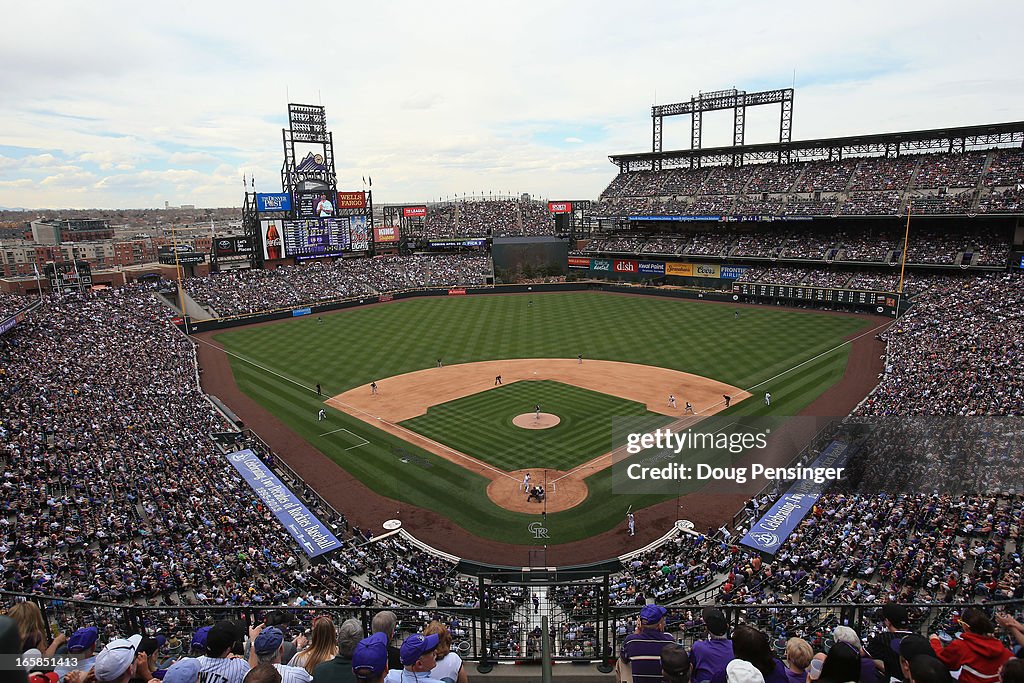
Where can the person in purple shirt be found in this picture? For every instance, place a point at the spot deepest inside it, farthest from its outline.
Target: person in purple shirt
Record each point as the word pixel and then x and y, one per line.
pixel 710 657
pixel 642 650
pixel 752 646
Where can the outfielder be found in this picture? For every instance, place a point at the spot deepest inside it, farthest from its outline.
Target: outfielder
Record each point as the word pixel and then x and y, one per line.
pixel 767 398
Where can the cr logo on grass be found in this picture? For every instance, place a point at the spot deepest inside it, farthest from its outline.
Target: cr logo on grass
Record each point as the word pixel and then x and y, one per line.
pixel 538 530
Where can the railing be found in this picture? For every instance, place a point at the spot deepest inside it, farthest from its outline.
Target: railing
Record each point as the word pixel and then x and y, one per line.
pixel 507 632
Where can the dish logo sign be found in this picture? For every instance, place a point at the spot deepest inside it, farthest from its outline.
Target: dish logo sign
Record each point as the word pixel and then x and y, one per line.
pixel 625 266
pixel 560 207
pixel 414 211
pixel 385 234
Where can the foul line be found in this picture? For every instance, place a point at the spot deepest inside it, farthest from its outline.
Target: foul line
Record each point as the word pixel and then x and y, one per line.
pixel 398 427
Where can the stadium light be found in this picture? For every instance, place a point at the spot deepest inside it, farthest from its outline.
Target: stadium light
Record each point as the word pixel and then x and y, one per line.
pixel 903 256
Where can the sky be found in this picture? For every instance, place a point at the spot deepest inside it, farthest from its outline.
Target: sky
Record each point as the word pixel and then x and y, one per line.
pixel 129 105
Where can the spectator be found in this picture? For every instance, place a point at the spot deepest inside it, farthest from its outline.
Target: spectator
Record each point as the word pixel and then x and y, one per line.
pixel 798 658
pixel 323 645
pixel 710 657
pixel 751 645
pixel 116 662
pixel 370 659
pixel 220 663
pixel 385 622
pixel 263 673
pixel 268 647
pixel 842 665
pixel 675 664
pixel 418 659
pixel 977 653
pixel 448 664
pixel 868 670
pixel 897 624
pixel 339 669
pixel 641 650
pixel 32 630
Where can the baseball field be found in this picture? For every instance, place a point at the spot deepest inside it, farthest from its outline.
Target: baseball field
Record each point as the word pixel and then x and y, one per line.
pixel 454 441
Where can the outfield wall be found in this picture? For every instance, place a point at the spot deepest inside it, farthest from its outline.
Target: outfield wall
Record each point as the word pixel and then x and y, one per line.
pixel 591 285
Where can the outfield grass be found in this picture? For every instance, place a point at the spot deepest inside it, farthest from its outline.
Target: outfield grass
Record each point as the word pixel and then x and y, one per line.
pixel 481 425
pixel 279 365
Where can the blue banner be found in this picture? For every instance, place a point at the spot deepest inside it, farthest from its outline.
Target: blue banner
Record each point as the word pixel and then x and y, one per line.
pixel 307 530
pixel 301 311
pixel 652 267
pixel 772 530
pixel 600 264
pixel 733 272
pixel 281 201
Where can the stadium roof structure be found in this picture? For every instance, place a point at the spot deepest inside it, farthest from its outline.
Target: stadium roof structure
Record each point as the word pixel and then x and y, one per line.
pixel 958 139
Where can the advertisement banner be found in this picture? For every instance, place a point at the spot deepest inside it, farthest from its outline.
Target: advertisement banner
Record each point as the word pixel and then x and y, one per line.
pixel 677 268
pixel 456 291
pixel 706 270
pixel 457 243
pixel 385 234
pixel 579 262
pixel 351 200
pixel 308 531
pixel 625 266
pixel 652 267
pixel 233 246
pixel 360 233
pixel 601 264
pixel 733 272
pixel 301 311
pixel 771 531
pixel 414 211
pixel 560 207
pixel 273 239
pixel 280 201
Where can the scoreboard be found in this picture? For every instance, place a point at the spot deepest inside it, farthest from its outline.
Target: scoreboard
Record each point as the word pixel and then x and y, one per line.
pixel 67 277
pixel 316 237
pixel 855 297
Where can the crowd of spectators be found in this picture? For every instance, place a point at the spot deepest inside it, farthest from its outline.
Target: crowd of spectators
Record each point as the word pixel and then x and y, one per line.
pixel 11 304
pixel 940 183
pixel 485 218
pixel 250 291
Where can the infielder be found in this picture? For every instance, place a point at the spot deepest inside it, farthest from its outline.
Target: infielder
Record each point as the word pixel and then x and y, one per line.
pixel 536 409
pixel 671 401
pixel 689 408
pixel 767 398
pixel 321 416
pixel 373 388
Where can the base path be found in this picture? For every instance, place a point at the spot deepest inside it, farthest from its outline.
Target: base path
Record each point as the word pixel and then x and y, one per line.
pixel 368 509
pixel 403 397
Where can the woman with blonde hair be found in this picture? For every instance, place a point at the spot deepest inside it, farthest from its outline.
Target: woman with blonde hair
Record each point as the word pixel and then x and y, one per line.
pixel 323 645
pixel 31 629
pixel 798 657
pixel 448 665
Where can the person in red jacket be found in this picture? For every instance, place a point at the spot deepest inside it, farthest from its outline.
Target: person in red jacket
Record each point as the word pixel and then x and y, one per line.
pixel 977 653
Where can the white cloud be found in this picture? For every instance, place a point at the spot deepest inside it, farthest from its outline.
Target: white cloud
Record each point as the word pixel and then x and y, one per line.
pixel 441 103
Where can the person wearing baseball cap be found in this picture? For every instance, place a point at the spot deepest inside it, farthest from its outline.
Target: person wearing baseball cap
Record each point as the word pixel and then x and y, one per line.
pixel 709 658
pixel 81 644
pixel 116 662
pixel 370 659
pixel 641 651
pixel 268 646
pixel 897 624
pixel 220 663
pixel 418 659
pixel 909 647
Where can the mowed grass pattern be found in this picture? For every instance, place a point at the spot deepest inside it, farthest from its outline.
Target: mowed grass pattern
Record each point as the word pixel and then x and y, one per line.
pixel 481 425
pixel 280 364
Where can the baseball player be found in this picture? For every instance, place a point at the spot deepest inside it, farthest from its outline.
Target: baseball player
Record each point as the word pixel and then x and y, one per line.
pixel 321 416
pixel 767 398
pixel 318 392
pixel 579 359
pixel 526 482
pixel 439 363
pixel 536 409
pixel 689 408
pixel 373 388
pixel 671 401
pixel 497 380
pixel 728 399
pixel 631 523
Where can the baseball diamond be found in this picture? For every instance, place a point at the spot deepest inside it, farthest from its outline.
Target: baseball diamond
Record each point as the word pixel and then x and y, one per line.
pixel 799 354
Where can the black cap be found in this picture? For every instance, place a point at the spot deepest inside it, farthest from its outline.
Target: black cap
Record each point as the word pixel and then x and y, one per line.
pixel 674 660
pixel 896 614
pixel 912 645
pixel 715 621
pixel 925 669
pixel 222 636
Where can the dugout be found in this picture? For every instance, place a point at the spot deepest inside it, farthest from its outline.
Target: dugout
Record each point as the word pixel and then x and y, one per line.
pixel 517 258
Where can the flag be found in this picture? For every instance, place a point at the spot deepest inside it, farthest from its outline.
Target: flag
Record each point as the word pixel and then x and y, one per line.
pixel 371 181
pixel 364 180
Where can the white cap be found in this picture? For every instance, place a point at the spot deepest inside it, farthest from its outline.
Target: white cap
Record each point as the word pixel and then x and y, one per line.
pixel 116 658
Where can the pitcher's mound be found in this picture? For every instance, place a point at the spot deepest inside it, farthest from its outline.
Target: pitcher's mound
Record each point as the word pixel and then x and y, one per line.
pixel 531 421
